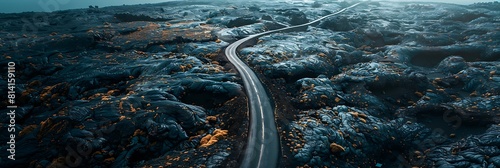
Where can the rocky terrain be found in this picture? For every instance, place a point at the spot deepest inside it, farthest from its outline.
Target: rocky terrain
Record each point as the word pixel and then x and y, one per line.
pixel 384 84
pixel 123 86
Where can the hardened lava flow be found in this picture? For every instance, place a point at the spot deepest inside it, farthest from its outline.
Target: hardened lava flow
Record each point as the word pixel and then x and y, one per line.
pixel 263 139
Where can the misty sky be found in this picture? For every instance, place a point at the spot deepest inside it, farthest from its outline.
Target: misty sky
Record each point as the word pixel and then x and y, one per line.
pixel 10 6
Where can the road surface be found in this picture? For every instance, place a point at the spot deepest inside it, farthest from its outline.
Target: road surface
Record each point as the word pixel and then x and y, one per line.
pixel 263 145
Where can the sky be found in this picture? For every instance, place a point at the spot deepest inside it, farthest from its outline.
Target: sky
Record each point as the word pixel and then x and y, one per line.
pixel 11 6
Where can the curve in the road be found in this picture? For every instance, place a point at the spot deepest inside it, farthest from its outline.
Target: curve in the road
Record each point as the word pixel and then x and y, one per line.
pixel 263 143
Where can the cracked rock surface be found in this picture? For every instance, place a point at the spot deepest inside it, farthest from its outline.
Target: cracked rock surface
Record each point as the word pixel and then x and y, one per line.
pixel 385 83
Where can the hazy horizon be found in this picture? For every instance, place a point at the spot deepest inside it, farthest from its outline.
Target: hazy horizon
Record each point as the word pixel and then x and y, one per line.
pixel 54 5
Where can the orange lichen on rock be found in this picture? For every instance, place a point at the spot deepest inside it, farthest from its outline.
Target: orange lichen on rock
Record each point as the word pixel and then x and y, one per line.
pixel 105 98
pixel 211 119
pixel 357 114
pixel 109 160
pixel 336 148
pixel 139 132
pixel 148 33
pixel 211 139
pixel 50 127
pixel 132 109
pixel 48 91
pixel 205 140
pixel 337 99
pixel 27 130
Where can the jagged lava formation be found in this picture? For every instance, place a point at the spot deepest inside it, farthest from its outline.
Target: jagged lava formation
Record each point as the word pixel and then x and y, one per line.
pixel 383 84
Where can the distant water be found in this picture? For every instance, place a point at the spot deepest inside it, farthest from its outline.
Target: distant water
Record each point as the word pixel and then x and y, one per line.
pixel 12 6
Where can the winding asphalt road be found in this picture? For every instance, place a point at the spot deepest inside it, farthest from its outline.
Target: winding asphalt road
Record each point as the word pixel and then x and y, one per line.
pixel 263 142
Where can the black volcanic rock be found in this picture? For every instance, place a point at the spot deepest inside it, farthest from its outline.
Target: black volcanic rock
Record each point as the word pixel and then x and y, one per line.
pixel 296 17
pixel 337 24
pixel 466 17
pixel 127 17
pixel 241 22
pixel 474 151
pixel 452 64
pixel 317 92
pixel 231 21
pixel 404 78
pixel 285 56
pixel 359 135
pixel 118 86
pixel 391 84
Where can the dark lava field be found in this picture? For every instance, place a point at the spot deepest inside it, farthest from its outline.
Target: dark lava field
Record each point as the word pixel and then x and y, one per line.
pixel 383 84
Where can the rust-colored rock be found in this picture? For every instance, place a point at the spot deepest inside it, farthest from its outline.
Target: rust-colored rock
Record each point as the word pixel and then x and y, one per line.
pixel 211 139
pixel 336 148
